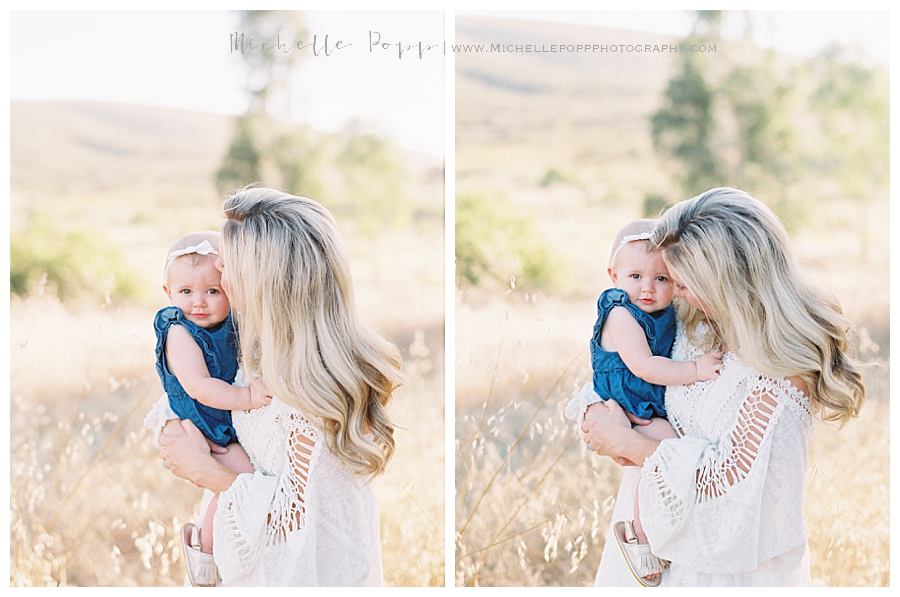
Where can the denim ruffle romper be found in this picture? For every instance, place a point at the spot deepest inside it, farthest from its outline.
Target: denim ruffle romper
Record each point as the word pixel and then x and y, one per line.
pixel 612 379
pixel 219 346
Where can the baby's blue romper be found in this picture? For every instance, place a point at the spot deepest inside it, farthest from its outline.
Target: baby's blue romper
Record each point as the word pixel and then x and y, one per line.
pixel 219 346
pixel 612 379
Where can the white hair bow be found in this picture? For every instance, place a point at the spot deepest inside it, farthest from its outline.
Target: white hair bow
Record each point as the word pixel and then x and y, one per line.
pixel 203 248
pixel 630 238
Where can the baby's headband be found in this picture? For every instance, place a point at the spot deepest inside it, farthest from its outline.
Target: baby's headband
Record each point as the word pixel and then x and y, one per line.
pixel 629 238
pixel 203 248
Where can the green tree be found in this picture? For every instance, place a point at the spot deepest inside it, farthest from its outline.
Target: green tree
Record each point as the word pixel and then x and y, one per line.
pixel 683 128
pixel 763 105
pixel 732 124
pixel 851 104
pixel 241 164
pixel 300 161
pixel 268 79
pixel 375 180
pixel 270 75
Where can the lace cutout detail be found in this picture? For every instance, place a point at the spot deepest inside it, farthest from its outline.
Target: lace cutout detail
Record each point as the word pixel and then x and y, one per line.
pixel 723 498
pixel 714 479
pixel 798 402
pixel 722 469
pixel 675 507
pixel 246 551
pixel 290 507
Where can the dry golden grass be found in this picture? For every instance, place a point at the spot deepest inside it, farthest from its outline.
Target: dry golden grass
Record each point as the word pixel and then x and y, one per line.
pixel 533 504
pixel 90 503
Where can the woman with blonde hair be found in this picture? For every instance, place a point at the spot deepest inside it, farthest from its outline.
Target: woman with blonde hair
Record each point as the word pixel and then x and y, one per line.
pixel 723 501
pixel 307 515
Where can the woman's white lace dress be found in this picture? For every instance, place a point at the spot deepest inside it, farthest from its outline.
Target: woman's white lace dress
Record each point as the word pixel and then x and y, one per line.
pixel 301 519
pixel 724 500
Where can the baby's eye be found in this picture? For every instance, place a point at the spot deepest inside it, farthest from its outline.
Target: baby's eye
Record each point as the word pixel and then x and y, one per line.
pixel 634 276
pixel 213 291
pixel 185 291
pixel 662 279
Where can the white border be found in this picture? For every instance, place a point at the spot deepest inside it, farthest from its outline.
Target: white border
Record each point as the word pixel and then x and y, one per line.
pixel 449 198
pixel 449 302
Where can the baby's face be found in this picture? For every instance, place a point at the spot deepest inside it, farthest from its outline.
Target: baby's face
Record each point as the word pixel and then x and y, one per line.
pixel 197 290
pixel 643 276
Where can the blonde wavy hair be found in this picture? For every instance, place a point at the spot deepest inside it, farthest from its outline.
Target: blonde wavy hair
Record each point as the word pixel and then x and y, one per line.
pixel 292 296
pixel 733 253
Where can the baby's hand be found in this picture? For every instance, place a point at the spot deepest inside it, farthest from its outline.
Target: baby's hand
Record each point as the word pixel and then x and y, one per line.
pixel 260 395
pixel 709 366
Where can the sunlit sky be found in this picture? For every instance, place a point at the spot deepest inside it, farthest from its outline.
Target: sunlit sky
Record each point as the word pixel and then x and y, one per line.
pixel 803 33
pixel 182 59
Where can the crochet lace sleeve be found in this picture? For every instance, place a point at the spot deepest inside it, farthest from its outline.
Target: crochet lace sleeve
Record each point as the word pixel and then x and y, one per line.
pixel 577 406
pixel 265 515
pixel 160 414
pixel 701 500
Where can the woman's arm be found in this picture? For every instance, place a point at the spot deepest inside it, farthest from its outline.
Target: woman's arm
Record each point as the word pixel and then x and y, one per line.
pixel 186 453
pixel 264 516
pixel 608 432
pixel 185 360
pixel 628 339
pixel 711 503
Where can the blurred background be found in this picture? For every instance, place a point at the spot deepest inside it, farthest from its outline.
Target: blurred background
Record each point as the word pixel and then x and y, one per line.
pixel 127 129
pixel 556 151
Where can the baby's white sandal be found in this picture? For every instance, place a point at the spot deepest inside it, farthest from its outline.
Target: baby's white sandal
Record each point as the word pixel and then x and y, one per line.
pixel 201 568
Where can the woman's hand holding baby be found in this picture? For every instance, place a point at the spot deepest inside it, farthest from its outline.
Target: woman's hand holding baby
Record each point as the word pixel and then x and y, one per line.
pixel 186 453
pixel 709 366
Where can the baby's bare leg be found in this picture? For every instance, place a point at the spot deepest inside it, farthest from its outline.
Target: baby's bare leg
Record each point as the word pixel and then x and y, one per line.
pixel 237 460
pixel 658 429
pixel 636 524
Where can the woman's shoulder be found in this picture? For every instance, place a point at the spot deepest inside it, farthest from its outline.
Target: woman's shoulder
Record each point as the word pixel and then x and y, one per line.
pixel 292 418
pixel 792 392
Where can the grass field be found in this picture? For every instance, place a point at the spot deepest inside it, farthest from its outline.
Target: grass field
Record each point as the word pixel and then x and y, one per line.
pixel 90 504
pixel 532 505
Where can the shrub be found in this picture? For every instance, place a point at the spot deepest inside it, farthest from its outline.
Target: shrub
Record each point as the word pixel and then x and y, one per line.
pixel 494 242
pixel 69 263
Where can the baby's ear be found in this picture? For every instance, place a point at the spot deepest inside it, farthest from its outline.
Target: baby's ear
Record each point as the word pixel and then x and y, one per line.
pixel 612 274
pixel 166 290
